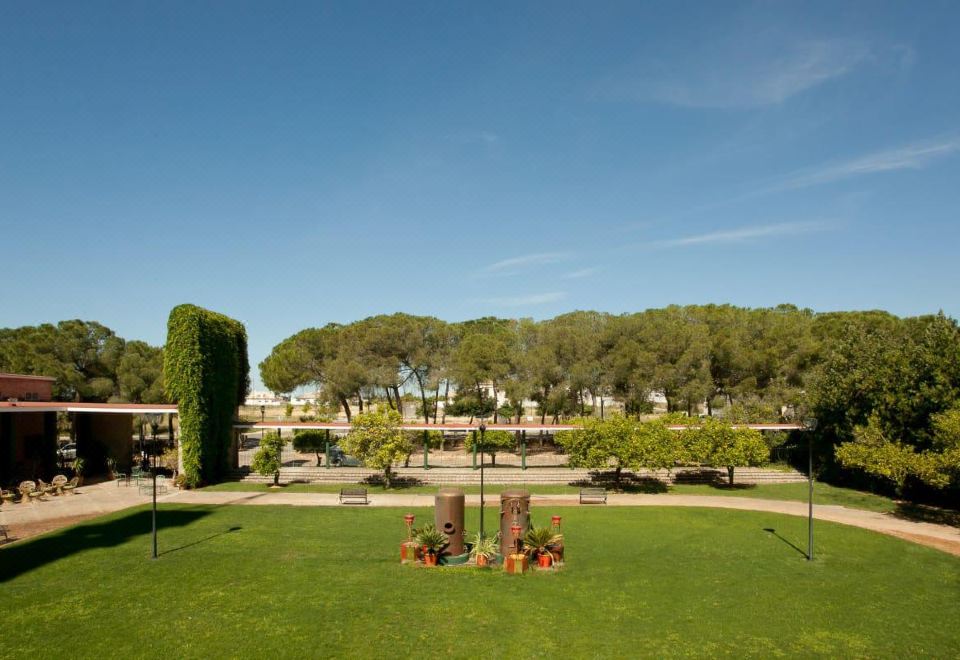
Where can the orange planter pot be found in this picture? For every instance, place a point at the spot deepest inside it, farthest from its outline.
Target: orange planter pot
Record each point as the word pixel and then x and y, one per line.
pixel 544 560
pixel 482 560
pixel 429 559
pixel 408 552
pixel 515 564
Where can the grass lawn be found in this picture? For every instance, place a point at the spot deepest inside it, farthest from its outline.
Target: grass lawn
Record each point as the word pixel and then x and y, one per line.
pixel 822 494
pixel 307 582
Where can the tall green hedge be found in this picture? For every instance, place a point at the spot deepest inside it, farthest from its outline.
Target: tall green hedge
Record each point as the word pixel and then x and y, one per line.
pixel 206 372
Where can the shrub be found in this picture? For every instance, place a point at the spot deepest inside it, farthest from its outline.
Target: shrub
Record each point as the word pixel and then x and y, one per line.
pixel 267 460
pixel 206 373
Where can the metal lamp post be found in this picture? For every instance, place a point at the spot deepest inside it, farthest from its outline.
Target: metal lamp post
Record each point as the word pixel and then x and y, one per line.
pixel 810 425
pixel 154 423
pixel 483 429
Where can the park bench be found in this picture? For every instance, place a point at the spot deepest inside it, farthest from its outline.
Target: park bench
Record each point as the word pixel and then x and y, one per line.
pixel 353 496
pixel 593 496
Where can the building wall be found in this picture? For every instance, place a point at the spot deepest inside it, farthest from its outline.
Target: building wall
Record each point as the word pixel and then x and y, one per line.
pixel 28 447
pixel 100 436
pixel 25 388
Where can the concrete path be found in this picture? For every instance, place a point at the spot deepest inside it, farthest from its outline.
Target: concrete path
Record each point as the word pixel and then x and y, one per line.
pixel 25 520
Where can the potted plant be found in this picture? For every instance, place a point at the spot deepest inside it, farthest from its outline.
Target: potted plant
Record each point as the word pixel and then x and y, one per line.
pixel 78 466
pixel 432 541
pixel 484 549
pixel 112 467
pixel 536 541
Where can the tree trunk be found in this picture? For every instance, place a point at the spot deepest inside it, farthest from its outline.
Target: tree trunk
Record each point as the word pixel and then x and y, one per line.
pixel 495 404
pixel 396 393
pixel 436 404
pixel 423 399
pixel 359 401
pixel 346 406
pixel 616 478
pixel 582 407
pixel 276 478
pixel 319 457
pixel 387 477
pixel 730 474
pixel 601 407
pixel 446 398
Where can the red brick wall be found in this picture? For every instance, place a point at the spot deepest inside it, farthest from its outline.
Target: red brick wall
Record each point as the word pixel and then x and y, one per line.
pixel 25 388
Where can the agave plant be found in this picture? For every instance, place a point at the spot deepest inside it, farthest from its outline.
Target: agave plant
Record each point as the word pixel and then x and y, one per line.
pixel 484 547
pixel 432 538
pixel 537 539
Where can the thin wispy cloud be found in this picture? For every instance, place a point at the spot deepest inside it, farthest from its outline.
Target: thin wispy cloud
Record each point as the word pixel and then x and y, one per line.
pixel 579 274
pixel 529 299
pixel 475 137
pixel 742 71
pixel 913 156
pixel 742 234
pixel 523 262
pixel 909 157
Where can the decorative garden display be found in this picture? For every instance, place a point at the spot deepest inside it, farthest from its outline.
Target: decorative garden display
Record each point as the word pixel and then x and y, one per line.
pixel 444 542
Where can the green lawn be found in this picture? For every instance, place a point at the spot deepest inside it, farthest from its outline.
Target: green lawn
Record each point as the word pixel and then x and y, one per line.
pixel 258 581
pixel 823 493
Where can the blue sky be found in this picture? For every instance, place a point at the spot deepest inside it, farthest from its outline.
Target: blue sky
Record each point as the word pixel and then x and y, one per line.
pixel 295 164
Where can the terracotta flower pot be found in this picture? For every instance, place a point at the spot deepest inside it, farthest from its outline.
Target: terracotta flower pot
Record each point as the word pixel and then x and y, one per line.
pixel 544 560
pixel 429 559
pixel 482 560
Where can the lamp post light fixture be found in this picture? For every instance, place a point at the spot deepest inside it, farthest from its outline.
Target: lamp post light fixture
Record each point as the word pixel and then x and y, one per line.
pixel 263 413
pixel 483 429
pixel 810 425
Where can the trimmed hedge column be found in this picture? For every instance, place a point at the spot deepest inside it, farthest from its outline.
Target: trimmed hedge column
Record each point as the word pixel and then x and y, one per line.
pixel 206 373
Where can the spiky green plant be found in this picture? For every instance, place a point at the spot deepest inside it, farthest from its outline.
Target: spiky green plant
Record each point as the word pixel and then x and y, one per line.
pixel 431 538
pixel 537 539
pixel 484 547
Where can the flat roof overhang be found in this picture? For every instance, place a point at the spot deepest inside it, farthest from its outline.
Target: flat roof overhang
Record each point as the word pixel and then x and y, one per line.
pixel 413 426
pixel 74 407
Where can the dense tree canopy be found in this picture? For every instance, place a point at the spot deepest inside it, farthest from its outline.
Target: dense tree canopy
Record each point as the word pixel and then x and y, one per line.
pixel 87 359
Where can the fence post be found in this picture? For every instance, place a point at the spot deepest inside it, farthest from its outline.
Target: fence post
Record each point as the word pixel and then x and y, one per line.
pixel 523 449
pixel 327 450
pixel 474 434
pixel 426 455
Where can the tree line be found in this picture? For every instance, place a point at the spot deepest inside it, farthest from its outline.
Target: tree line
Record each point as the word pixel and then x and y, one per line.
pixel 872 379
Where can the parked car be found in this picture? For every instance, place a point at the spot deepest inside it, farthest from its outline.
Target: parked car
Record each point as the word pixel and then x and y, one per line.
pixel 68 452
pixel 341 459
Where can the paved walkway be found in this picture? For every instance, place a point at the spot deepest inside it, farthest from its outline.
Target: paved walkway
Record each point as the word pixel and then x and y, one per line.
pixel 29 519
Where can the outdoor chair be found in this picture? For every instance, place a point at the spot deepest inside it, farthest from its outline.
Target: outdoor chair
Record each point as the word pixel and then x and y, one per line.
pixel 121 477
pixel 161 484
pixel 58 483
pixel 146 483
pixel 28 491
pixel 45 488
pixel 70 486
